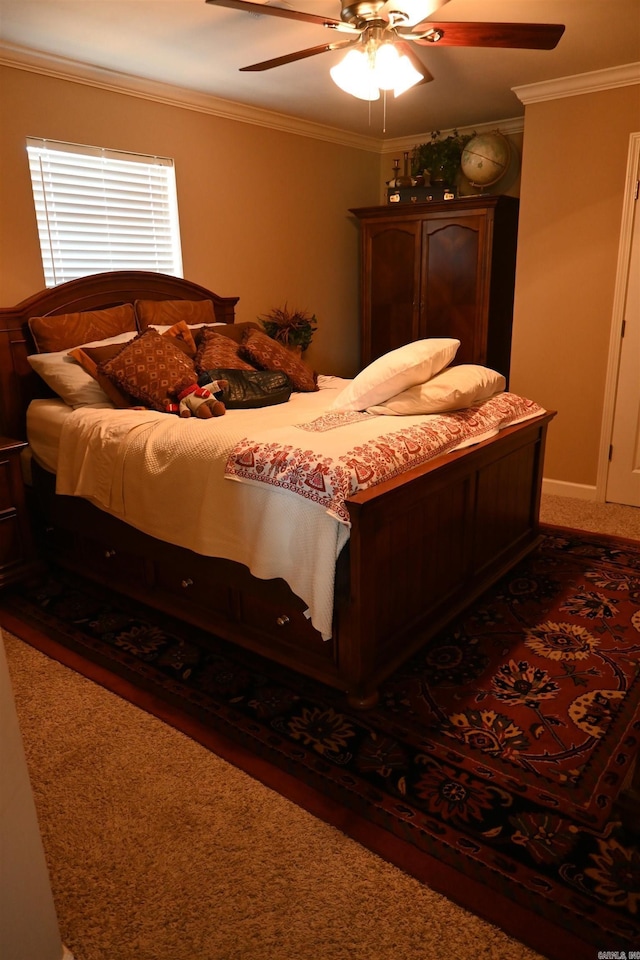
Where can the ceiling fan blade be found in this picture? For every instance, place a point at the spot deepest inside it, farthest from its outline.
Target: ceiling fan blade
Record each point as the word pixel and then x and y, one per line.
pixel 299 55
pixel 408 50
pixel 266 8
pixel 528 36
pixel 415 11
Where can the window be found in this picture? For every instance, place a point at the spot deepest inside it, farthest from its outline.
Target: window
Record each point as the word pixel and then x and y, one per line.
pixel 103 210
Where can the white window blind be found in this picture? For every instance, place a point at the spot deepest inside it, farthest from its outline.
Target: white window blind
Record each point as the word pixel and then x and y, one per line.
pixel 103 210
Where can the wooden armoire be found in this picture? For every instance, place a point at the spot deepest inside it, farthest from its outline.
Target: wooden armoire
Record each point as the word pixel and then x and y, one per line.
pixel 439 269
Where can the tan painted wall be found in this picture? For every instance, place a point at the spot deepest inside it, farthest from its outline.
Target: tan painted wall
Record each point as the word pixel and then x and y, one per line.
pixel 573 176
pixel 263 214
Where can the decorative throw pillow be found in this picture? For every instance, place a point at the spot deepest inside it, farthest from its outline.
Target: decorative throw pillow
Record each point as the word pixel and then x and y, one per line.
pixel 396 371
pixel 66 330
pixel 452 389
pixel 267 354
pixel 235 331
pixel 71 382
pixel 182 337
pixel 215 350
pixel 168 312
pixel 89 358
pixel 150 368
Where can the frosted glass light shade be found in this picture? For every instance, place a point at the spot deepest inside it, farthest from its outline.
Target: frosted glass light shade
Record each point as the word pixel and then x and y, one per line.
pixel 364 72
pixel 385 65
pixel 406 76
pixel 354 75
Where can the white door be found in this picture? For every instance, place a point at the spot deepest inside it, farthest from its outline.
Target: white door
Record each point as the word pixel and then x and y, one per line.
pixel 623 477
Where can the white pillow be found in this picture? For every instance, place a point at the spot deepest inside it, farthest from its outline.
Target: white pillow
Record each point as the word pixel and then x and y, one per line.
pixel 397 371
pixel 452 389
pixel 163 327
pixel 67 378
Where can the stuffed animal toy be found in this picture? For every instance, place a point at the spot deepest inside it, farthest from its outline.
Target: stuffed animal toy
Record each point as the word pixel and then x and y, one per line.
pixel 202 401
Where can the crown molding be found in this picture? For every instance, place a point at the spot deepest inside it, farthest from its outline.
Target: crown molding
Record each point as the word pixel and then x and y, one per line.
pixel 62 68
pixel 623 76
pixel 509 127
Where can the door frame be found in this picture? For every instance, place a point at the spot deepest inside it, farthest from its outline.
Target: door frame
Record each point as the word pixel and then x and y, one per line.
pixel 619 300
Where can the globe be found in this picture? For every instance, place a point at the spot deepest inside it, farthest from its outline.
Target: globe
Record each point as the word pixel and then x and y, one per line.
pixel 485 159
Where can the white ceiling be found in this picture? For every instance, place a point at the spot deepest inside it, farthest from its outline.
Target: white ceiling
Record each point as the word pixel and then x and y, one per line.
pixel 193 45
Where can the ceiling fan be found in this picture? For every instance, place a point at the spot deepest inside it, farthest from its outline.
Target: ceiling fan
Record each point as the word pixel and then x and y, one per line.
pixel 382 33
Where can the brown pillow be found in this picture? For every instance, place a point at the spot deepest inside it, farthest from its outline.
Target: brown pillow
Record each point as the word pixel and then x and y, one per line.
pixel 268 354
pixel 182 337
pixel 218 351
pixel 163 312
pixel 234 331
pixel 66 330
pixel 150 368
pixel 89 358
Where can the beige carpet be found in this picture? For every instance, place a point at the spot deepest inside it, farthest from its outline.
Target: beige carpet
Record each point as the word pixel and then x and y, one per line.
pixel 159 850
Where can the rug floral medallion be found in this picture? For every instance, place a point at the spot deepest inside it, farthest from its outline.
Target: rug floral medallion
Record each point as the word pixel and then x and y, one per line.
pixel 499 750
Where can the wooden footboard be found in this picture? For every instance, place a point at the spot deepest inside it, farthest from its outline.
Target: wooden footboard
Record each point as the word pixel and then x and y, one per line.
pixel 422 548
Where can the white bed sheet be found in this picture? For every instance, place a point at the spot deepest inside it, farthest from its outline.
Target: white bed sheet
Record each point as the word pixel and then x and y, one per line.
pixel 44 427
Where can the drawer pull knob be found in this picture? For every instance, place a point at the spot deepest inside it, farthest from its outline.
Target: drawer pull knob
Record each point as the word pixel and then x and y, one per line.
pixel 109 553
pixel 281 621
pixel 187 582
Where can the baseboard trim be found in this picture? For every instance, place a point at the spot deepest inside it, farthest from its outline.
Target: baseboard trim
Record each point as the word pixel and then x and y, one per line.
pixel 561 488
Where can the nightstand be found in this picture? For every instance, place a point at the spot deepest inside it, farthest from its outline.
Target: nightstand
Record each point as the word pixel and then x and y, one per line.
pixel 17 557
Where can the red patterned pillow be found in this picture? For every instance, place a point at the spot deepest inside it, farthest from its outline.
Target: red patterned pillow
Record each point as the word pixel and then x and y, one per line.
pixel 268 354
pixel 216 350
pixel 182 337
pixel 235 331
pixel 89 359
pixel 150 368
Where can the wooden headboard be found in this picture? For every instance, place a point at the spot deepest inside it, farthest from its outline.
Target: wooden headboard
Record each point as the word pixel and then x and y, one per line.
pixel 18 382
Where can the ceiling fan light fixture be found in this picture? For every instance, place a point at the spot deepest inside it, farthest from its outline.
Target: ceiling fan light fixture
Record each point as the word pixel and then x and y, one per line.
pixel 375 66
pixel 354 75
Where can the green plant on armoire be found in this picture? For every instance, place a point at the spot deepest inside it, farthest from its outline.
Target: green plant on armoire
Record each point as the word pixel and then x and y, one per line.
pixel 440 157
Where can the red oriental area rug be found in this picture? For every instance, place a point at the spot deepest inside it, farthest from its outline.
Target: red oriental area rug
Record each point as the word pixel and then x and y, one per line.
pixel 492 768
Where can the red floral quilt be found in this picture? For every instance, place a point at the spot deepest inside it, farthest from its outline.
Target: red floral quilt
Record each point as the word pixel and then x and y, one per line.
pixel 333 457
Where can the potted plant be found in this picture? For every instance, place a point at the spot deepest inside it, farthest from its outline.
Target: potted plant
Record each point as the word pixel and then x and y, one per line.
pixel 440 157
pixel 294 329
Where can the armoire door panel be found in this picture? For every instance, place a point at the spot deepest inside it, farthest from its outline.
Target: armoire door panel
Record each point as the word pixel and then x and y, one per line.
pixel 391 288
pixel 453 285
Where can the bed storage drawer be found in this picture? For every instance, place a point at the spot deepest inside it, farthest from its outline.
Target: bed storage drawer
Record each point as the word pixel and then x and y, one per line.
pixel 112 562
pixel 195 585
pixel 272 610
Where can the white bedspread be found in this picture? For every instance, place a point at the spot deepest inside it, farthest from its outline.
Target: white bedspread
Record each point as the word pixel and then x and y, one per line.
pixel 166 477
pixel 114 458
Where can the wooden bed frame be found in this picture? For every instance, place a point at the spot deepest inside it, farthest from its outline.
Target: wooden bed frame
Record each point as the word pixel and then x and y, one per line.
pixel 422 546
